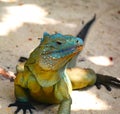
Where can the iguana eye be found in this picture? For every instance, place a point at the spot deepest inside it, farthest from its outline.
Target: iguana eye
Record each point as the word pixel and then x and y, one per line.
pixel 59 43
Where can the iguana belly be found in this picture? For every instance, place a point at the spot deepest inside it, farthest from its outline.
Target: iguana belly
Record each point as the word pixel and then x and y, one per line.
pixel 54 94
pixel 44 95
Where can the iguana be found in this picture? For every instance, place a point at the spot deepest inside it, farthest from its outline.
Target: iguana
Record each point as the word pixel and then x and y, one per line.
pixel 45 77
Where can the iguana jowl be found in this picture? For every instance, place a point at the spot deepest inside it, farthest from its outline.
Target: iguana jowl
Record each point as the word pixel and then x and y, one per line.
pixel 46 79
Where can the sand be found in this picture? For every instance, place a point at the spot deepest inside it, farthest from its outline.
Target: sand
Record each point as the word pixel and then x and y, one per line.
pixel 23 22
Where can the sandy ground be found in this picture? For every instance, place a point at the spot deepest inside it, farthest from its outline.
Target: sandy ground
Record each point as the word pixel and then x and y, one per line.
pixel 22 22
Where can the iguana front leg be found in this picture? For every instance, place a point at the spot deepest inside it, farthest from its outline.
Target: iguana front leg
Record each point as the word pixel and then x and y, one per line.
pixel 65 106
pixel 22 101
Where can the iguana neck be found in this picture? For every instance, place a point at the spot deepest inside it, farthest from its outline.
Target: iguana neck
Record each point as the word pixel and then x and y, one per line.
pixel 45 78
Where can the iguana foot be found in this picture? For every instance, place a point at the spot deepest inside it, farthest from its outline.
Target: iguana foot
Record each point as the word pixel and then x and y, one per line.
pixel 107 82
pixel 22 59
pixel 22 106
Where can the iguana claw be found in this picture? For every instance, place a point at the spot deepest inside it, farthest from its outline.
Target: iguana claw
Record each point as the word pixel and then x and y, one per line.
pixel 22 106
pixel 107 81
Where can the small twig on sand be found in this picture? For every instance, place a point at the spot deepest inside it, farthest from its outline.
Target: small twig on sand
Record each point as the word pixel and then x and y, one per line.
pixel 7 74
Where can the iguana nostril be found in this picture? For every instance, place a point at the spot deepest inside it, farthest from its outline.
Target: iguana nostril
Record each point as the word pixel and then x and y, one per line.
pixel 79 41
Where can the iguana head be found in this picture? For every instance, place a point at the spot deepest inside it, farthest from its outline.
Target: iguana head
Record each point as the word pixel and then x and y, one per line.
pixel 57 49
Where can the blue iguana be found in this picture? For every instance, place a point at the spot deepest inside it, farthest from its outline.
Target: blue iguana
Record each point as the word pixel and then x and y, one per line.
pixel 46 79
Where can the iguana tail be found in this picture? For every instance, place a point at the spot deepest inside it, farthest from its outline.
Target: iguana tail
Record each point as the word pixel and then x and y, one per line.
pixel 83 33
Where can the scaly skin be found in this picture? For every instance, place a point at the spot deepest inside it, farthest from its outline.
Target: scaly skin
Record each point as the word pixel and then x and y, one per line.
pixel 45 78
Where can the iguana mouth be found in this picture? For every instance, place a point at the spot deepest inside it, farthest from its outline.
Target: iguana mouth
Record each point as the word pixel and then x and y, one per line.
pixel 73 49
pixel 67 51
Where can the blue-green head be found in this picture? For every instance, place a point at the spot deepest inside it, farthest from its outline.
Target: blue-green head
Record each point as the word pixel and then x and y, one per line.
pixel 57 49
